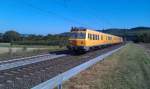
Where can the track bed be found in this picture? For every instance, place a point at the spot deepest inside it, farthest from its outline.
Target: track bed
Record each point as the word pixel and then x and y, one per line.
pixel 26 77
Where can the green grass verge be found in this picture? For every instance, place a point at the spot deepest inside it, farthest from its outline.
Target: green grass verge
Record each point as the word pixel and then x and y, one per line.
pixel 128 68
pixel 19 52
pixel 132 70
pixel 4 44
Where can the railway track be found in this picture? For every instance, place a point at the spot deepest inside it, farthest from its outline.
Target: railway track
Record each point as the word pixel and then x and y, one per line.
pixel 30 75
pixel 27 60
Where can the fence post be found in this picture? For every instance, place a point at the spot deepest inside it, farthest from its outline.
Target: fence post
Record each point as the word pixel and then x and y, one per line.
pixel 60 80
pixel 60 86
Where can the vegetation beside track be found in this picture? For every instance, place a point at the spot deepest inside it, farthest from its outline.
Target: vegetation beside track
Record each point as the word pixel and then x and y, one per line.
pixel 125 69
pixel 9 52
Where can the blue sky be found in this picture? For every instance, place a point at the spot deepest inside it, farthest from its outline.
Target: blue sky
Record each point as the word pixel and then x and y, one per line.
pixel 57 16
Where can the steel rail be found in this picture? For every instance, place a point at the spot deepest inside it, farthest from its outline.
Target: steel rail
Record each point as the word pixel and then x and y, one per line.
pixel 18 59
pixel 27 60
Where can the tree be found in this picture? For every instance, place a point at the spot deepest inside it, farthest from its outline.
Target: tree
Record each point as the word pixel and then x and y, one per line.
pixel 1 37
pixel 10 36
pixel 33 37
pixel 144 37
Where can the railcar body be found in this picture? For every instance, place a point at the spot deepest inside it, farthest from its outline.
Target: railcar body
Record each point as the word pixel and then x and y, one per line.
pixel 83 39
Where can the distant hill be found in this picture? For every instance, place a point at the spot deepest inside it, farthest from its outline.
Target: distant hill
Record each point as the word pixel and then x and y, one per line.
pixel 121 32
pixel 67 34
pixel 140 28
pixel 137 34
pixel 128 34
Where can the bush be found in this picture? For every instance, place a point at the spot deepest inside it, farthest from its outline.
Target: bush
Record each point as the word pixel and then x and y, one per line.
pixel 145 37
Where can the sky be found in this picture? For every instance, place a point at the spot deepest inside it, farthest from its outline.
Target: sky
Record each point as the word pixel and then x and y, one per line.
pixel 58 16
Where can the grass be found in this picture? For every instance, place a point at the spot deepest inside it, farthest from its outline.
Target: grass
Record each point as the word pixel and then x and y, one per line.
pixel 4 44
pixel 125 69
pixel 19 49
pixel 7 53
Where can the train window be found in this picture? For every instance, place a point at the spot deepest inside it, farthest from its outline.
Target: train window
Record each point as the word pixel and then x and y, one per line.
pixel 93 36
pixel 97 37
pixel 78 35
pixel 81 35
pixel 109 38
pixel 101 37
pixel 88 36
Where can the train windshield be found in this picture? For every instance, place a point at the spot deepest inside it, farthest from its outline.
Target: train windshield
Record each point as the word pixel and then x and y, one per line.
pixel 78 35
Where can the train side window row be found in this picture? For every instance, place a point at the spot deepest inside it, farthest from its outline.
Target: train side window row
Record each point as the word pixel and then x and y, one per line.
pixel 98 37
pixel 109 38
pixel 93 37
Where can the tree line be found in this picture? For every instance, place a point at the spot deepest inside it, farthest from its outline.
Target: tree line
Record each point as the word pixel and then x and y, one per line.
pixel 137 34
pixel 144 37
pixel 32 39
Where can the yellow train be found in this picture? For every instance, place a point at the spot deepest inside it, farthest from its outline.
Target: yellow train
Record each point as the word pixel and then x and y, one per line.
pixel 83 39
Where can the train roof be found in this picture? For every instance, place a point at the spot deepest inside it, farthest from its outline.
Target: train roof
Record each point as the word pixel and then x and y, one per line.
pixel 87 29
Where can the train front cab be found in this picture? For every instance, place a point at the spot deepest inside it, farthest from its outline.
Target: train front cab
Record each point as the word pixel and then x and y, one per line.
pixel 77 41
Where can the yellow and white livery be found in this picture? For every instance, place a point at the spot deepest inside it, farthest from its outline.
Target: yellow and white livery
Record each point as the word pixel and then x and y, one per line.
pixel 85 39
